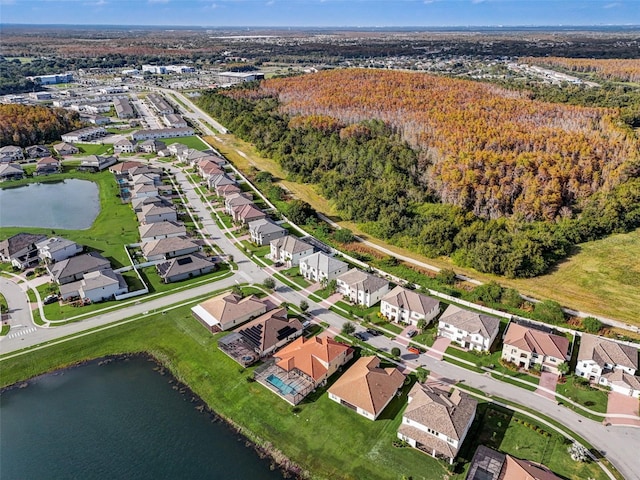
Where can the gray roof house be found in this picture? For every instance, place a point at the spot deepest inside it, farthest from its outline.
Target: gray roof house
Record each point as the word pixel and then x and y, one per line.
pixel 96 286
pixel 73 269
pixel 37 151
pixel 216 181
pixel 97 163
pixel 143 190
pixel 48 165
pixel 20 249
pixel 57 249
pixel 263 231
pixel 436 421
pixel 471 330
pixel 11 153
pixel 65 148
pixel 362 288
pixel 289 250
pixel 407 306
pixel 319 267
pixel 138 203
pixel 187 266
pixel 169 247
pixel 154 213
pixel 158 230
pixel 10 171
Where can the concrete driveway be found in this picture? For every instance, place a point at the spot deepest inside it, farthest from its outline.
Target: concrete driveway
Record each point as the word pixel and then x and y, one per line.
pixel 548 381
pixel 439 347
pixel 622 404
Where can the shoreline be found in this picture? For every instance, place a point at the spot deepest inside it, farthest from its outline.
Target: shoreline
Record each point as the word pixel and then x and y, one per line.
pixel 262 449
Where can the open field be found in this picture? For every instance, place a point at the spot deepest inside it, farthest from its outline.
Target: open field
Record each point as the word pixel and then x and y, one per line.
pixel 602 278
pixel 115 225
pixel 328 439
pixel 91 149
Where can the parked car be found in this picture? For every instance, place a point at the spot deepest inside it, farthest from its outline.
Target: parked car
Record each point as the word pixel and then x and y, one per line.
pixel 374 332
pixel 50 299
pixel 414 350
pixel 360 336
pixel 412 333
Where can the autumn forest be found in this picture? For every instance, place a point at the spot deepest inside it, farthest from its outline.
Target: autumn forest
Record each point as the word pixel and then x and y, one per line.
pixel 487 175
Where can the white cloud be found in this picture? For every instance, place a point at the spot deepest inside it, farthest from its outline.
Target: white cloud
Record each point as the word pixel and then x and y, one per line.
pixel 270 3
pixel 158 1
pixel 612 5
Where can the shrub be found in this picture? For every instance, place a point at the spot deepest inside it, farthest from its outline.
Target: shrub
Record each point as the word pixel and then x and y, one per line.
pixel 348 328
pixel 592 325
pixel 269 283
pixel 549 311
pixel 395 351
pixel 343 235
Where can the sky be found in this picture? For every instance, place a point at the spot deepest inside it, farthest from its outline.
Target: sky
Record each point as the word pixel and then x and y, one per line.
pixel 322 13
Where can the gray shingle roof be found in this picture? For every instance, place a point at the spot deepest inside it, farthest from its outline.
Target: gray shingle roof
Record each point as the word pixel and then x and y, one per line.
pixel 363 281
pixel 471 322
pixel 409 300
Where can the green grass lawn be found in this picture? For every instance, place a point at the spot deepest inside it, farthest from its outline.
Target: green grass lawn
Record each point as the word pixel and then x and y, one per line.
pixel 3 304
pixel 586 395
pixel 293 274
pixel 392 327
pixel 91 149
pixel 156 285
pixel 191 142
pixel 115 225
pixel 5 330
pixel 358 310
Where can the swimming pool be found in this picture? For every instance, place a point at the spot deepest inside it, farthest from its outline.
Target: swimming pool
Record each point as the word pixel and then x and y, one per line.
pixel 282 387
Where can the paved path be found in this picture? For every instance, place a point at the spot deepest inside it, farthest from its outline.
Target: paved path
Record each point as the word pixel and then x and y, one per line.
pixel 624 404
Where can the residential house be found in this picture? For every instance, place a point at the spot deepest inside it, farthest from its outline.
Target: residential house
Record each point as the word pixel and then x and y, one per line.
pixel 96 286
pixel 436 421
pixel 226 190
pixel 471 330
pixel 123 108
pixel 37 151
pixel 152 146
pixel 289 250
pixel 406 306
pixel 173 120
pixel 182 268
pixel 95 119
pixel 526 347
pixel 146 179
pixel 11 153
pixel 367 388
pixel 48 166
pixel 124 145
pixel 362 288
pixel 621 382
pixel 270 331
pixel 141 191
pixel 169 247
pixel 599 358
pixel 192 156
pixel 73 269
pixel 214 159
pixel 139 202
pixel 56 249
pixel 123 168
pixel 158 230
pixel 84 134
pixel 236 200
pixel 20 249
pixel 320 267
pixel 65 148
pixel 214 182
pixel 97 163
pixel 246 214
pixel 11 171
pixel 152 134
pixel 206 168
pixel 159 104
pixel 488 464
pixel 155 213
pixel 177 149
pixel 228 310
pixel 143 170
pixel 264 231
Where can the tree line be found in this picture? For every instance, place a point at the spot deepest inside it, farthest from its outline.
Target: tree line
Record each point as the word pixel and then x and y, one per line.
pixel 25 125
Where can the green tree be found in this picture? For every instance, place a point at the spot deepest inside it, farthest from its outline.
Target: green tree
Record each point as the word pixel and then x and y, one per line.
pixel 446 276
pixel 563 368
pixel 299 212
pixel 237 290
pixel 488 292
pixel 511 298
pixel 395 351
pixel 549 311
pixel 269 283
pixel 592 325
pixel 343 235
pixel 348 328
pixel 421 374
pixel 264 177
pixel 304 306
pixel 422 324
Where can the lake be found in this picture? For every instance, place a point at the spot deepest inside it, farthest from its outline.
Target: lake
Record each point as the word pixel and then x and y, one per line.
pixel 121 419
pixel 70 204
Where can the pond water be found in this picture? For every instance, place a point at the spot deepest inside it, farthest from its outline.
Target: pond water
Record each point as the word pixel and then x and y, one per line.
pixel 115 421
pixel 70 204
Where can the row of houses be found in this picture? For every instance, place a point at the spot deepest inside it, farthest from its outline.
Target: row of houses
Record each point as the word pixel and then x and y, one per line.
pixel 164 239
pixel 14 154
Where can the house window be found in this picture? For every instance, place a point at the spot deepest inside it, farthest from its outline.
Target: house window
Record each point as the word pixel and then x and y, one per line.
pixel 513 350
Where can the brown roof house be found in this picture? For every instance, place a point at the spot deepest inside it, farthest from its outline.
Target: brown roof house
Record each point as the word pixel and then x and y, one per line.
pixel 21 249
pixel 437 421
pixel 406 306
pixel 289 250
pixel 302 366
pixel 169 247
pixel 488 464
pixel 64 148
pixel 471 330
pixel 362 288
pixel 228 310
pixel 47 166
pixel 527 347
pixel 367 388
pixel 247 213
pixel 271 331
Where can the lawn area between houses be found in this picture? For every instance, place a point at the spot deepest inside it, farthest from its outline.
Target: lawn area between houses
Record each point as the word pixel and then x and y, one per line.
pixel 327 439
pixel 590 397
pixel 191 142
pixel 93 149
pixel 115 225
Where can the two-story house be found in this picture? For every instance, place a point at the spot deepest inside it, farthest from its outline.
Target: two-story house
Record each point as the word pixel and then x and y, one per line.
pixel 471 330
pixel 526 347
pixel 362 288
pixel 437 421
pixel 263 231
pixel 406 306
pixel 289 250
pixel 321 267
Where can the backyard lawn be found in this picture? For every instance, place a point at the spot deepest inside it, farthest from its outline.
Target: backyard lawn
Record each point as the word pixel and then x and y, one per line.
pixel 93 149
pixel 115 225
pixel 191 142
